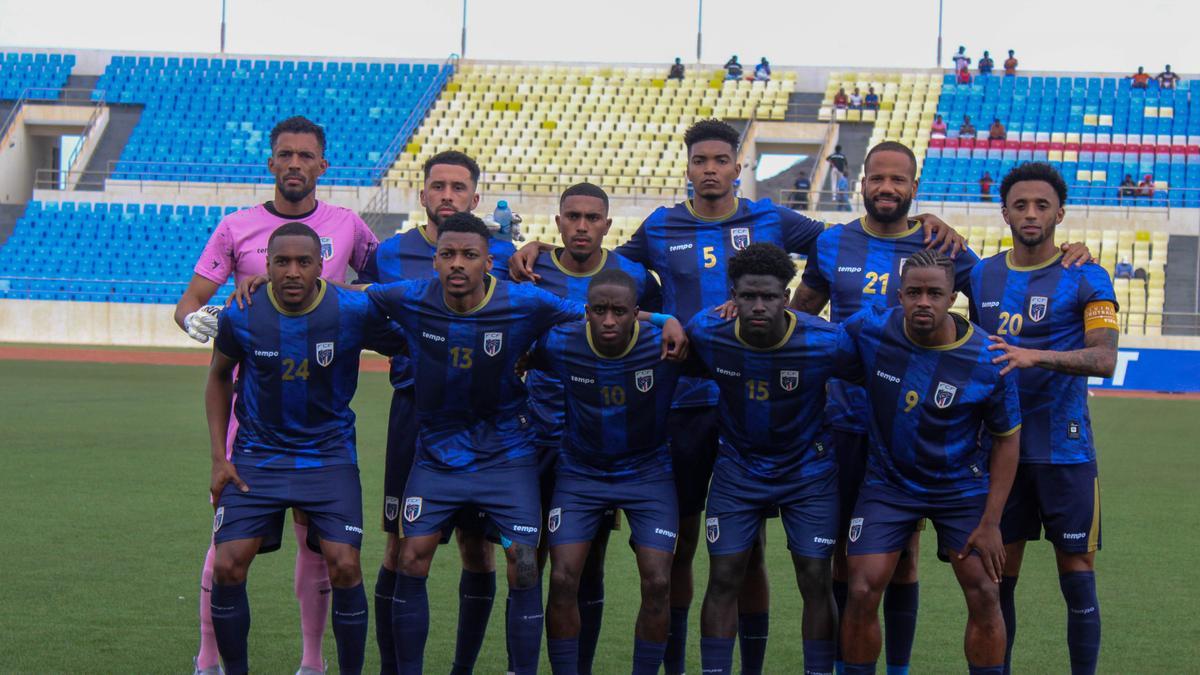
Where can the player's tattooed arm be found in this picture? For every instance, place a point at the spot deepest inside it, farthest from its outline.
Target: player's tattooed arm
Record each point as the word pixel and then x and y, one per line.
pixel 218 399
pixel 809 300
pixel 1098 358
pixel 520 265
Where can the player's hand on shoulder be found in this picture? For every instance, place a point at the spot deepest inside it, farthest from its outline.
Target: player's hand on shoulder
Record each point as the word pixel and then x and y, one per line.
pixel 522 365
pixel 674 341
pixel 727 310
pixel 940 236
pixel 1011 356
pixel 520 264
pixel 201 325
pixel 223 473
pixel 245 289
pixel 1076 254
pixel 986 539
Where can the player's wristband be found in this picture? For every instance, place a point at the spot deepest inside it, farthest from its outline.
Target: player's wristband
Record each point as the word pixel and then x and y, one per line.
pixel 660 320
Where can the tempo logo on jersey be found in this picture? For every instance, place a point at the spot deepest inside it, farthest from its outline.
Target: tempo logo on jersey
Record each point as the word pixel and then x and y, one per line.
pixel 644 380
pixel 1037 307
pixel 740 237
pixel 326 248
pixel 855 528
pixel 492 342
pixel 789 379
pixel 712 530
pixel 324 353
pixel 554 520
pixel 944 395
pixel 412 508
pixel 218 518
pixel 391 507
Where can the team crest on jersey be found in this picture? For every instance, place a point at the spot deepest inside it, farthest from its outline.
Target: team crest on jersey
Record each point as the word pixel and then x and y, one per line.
pixel 1037 307
pixel 554 520
pixel 644 380
pixel 492 342
pixel 324 353
pixel 944 395
pixel 855 528
pixel 412 508
pixel 218 518
pixel 789 379
pixel 391 508
pixel 326 248
pixel 712 530
pixel 740 237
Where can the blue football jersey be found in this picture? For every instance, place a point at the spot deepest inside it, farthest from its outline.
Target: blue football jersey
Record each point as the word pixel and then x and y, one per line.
pixel 297 374
pixel 689 254
pixel 1042 307
pixel 545 390
pixel 928 406
pixel 472 409
pixel 616 408
pixel 772 400
pixel 409 256
pixel 857 267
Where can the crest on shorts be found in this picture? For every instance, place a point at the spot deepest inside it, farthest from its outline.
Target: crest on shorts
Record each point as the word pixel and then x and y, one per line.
pixel 789 379
pixel 324 353
pixel 391 507
pixel 412 508
pixel 554 520
pixel 739 237
pixel 326 248
pixel 855 528
pixel 644 380
pixel 712 530
pixel 492 342
pixel 218 518
pixel 944 395
pixel 1037 307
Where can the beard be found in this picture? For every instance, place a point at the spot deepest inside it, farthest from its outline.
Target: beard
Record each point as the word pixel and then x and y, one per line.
pixel 433 216
pixel 895 215
pixel 293 195
pixel 1034 240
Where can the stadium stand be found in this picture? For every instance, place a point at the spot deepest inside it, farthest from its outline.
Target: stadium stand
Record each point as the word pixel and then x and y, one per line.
pixel 551 126
pixel 39 76
pixel 210 119
pixel 907 105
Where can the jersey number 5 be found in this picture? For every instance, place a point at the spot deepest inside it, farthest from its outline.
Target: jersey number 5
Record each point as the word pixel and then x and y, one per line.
pixel 710 258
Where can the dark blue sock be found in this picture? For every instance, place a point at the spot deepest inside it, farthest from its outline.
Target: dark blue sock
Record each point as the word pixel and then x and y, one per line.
pixel 591 613
pixel 840 593
pixel 1083 620
pixel 231 625
pixel 858 668
pixel 564 656
pixel 385 586
pixel 508 638
pixel 716 655
pixel 476 593
pixel 984 670
pixel 410 623
pixel 349 618
pixel 900 603
pixel 818 657
pixel 647 656
pixel 1008 608
pixel 675 657
pixel 525 616
pixel 752 641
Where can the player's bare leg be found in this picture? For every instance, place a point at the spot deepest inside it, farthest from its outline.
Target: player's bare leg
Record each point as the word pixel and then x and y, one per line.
pixel 754 605
pixel 868 576
pixel 654 617
pixel 525 612
pixel 718 616
pixel 984 639
pixel 312 590
pixel 230 605
pixel 349 604
pixel 410 608
pixel 562 609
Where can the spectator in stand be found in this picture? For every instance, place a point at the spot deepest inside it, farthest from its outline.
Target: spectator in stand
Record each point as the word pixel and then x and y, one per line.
pixel 985 186
pixel 800 196
pixel 939 127
pixel 963 76
pixel 676 70
pixel 966 129
pixel 1146 187
pixel 840 100
pixel 837 166
pixel 997 132
pixel 1167 79
pixel 1140 79
pixel 843 193
pixel 1010 64
pixel 986 64
pixel 856 99
pixel 1128 188
pixel 871 102
pixel 733 69
pixel 762 72
pixel 1124 269
pixel 961 60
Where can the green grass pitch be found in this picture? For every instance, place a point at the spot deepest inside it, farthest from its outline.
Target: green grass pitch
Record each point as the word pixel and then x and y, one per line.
pixel 106 521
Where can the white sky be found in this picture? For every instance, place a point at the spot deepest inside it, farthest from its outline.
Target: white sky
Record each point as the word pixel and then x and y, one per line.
pixel 1047 34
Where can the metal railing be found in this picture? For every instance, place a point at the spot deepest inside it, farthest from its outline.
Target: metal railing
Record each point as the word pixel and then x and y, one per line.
pixel 97 99
pixel 177 176
pixel 41 95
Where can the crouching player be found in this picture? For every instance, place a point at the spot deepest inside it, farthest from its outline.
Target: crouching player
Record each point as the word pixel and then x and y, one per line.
pixel 298 353
pixel 932 389
pixel 614 454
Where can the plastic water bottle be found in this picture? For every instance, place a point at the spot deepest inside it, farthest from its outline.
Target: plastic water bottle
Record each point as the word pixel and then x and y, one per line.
pixel 503 217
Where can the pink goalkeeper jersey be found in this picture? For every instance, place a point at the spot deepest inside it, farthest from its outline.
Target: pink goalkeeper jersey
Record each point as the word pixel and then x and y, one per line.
pixel 239 244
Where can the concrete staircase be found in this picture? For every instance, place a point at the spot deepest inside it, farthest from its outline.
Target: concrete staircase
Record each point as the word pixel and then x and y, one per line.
pixel 122 119
pixel 1180 288
pixel 9 213
pixel 803 106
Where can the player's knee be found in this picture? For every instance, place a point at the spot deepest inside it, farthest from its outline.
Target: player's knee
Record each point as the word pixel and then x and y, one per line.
pixel 656 584
pixel 476 553
pixel 228 570
pixel 391 552
pixel 814 577
pixel 723 586
pixel 524 560
pixel 344 571
pixel 983 597
pixel 413 562
pixel 564 582
pixel 863 592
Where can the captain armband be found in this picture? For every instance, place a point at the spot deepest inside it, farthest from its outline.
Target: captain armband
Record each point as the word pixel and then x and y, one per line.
pixel 1100 314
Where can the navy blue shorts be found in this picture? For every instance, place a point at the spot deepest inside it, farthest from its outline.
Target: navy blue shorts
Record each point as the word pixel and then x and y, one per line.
pixel 401 450
pixel 331 497
pixel 693 440
pixel 738 501
pixel 581 506
pixel 886 517
pixel 850 453
pixel 1062 498
pixel 507 495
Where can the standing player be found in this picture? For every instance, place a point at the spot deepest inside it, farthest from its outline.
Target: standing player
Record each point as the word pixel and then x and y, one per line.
pixel 932 390
pixel 1053 328
pixel 451 183
pixel 617 392
pixel 688 245
pixel 568 272
pixel 771 366
pixel 465 331
pixel 238 247
pixel 297 352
